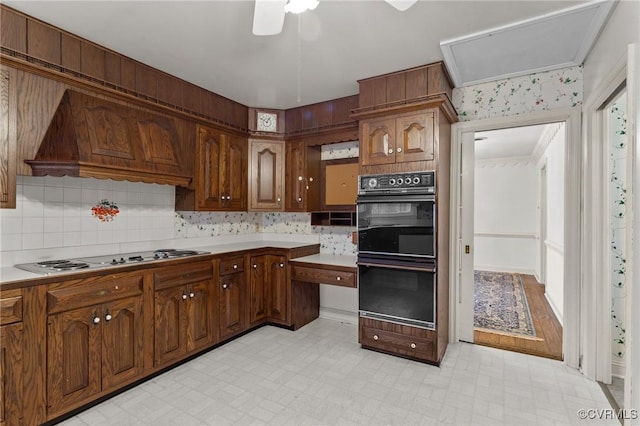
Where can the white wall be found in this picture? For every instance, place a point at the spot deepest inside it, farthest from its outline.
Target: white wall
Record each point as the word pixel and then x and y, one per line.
pixel 553 157
pixel 505 217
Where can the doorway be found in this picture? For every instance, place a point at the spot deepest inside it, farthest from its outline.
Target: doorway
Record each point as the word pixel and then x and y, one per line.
pixel 462 293
pixel 517 306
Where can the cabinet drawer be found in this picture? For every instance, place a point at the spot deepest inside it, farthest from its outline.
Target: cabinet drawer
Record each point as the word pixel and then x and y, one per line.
pixel 323 276
pixel 11 306
pixel 91 291
pixel 229 266
pixel 412 346
pixel 183 274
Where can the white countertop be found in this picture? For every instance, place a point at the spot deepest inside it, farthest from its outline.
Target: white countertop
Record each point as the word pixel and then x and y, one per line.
pixel 9 274
pixel 329 259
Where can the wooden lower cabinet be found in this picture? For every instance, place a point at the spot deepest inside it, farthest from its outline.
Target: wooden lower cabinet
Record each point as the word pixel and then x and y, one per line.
pixel 92 349
pixel 268 287
pixel 184 311
pixel 397 339
pixel 11 412
pixel 232 292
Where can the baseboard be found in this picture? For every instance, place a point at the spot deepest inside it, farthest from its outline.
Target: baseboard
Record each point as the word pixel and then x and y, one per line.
pixel 553 308
pixel 618 369
pixel 494 268
pixel 339 315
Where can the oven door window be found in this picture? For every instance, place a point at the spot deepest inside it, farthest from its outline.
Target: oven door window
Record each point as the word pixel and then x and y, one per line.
pixel 404 228
pixel 397 295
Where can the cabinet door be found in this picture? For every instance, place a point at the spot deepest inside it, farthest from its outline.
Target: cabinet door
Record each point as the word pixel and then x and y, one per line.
pixel 415 137
pixel 11 374
pixel 233 169
pixel 201 315
pixel 277 299
pixel 266 175
pixel 74 348
pixel 258 289
pixel 210 150
pixel 8 139
pixel 377 144
pixel 296 177
pixel 122 341
pixel 170 336
pixel 232 305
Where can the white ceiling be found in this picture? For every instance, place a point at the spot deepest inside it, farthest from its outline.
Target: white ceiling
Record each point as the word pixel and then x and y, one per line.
pixel 319 55
pixel 516 142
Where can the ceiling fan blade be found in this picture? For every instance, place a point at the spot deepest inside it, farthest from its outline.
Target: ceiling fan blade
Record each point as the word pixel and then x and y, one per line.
pixel 401 5
pixel 268 17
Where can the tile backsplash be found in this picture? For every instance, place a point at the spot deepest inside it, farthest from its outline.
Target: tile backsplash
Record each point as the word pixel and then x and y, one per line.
pixel 56 212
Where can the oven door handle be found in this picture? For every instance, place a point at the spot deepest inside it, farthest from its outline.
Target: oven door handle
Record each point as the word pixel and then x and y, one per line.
pixel 404 267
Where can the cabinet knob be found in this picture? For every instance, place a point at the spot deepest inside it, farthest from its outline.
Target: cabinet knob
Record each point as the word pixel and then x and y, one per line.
pixel 96 319
pixel 300 178
pixel 235 266
pixel 299 199
pixel 339 278
pixel 390 150
pixel 228 197
pixel 310 179
pixel 278 199
pixel 184 296
pixel 399 150
pixel 375 337
pixel 255 266
pixel 108 317
pixel 225 286
pixel 281 265
pixel 192 294
pixel 222 198
pixel 413 346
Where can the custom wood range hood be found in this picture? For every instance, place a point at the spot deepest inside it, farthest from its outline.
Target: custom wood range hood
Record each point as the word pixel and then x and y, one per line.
pixel 92 137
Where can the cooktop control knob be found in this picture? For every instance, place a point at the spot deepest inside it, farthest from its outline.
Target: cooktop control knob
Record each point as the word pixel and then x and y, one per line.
pixel 407 181
pixel 392 181
pixel 416 180
pixel 372 183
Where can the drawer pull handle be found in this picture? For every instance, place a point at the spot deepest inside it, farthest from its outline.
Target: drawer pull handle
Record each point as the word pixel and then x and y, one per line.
pixel 96 319
pixel 413 346
pixel 338 278
pixel 375 337
pixel 235 266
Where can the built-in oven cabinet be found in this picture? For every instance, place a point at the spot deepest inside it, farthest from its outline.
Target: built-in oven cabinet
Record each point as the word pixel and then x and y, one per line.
pixel 95 338
pixel 184 311
pixel 399 339
pixel 400 138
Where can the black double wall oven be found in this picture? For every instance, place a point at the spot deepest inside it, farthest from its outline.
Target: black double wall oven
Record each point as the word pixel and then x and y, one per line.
pixel 396 218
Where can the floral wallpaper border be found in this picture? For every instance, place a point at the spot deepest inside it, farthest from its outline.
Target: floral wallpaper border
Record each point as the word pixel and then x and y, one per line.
pixel 520 95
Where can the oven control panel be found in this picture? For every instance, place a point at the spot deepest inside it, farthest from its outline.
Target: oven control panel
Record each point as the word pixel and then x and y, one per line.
pixel 424 182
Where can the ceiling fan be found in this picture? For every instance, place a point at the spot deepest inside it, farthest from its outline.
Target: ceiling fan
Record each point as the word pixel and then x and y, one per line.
pixel 268 15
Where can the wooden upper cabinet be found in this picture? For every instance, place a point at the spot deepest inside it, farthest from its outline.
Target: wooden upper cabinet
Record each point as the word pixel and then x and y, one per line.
pixel 398 139
pixel 415 137
pixel 8 138
pixel 221 171
pixel 377 141
pixel 266 175
pixel 296 177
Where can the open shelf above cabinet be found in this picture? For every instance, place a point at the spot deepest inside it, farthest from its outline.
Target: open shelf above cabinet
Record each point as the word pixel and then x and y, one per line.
pixel 333 218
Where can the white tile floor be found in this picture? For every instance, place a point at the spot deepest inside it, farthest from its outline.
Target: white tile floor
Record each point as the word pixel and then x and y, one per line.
pixel 319 375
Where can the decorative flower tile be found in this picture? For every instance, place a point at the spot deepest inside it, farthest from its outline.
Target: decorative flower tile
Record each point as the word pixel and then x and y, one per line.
pixel 105 210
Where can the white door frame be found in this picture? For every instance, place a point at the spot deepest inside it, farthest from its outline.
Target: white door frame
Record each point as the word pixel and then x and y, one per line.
pixel 572 216
pixel 596 315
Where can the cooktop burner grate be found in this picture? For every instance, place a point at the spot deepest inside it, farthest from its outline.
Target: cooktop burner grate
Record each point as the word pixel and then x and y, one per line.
pixel 48 263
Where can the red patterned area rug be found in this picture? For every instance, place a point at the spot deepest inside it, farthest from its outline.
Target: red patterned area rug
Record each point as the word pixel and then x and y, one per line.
pixel 501 304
